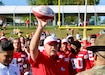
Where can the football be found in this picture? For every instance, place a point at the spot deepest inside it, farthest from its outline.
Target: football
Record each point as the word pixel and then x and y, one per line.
pixel 43 12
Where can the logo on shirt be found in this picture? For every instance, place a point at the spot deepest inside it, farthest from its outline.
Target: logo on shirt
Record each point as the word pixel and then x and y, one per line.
pixel 61 56
pixel 62 69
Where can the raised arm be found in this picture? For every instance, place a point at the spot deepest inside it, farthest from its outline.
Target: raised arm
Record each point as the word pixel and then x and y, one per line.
pixel 36 38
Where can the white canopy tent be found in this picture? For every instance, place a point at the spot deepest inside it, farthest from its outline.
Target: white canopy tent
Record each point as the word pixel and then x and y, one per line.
pixel 63 9
pixel 13 10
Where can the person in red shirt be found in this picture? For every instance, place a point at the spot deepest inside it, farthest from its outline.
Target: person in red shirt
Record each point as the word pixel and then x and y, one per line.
pixel 64 51
pixel 90 53
pixel 70 39
pixel 92 43
pixel 27 23
pixel 78 59
pixel 20 58
pixel 47 61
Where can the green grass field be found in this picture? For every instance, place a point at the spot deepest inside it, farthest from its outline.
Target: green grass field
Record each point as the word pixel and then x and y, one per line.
pixel 61 33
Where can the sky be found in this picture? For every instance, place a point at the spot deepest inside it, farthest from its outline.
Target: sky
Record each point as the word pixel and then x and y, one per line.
pixel 15 2
pixel 24 2
pixel 102 2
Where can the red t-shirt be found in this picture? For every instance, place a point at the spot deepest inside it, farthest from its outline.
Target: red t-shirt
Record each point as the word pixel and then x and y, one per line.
pixel 91 58
pixel 27 21
pixel 64 55
pixel 79 62
pixel 44 65
pixel 20 59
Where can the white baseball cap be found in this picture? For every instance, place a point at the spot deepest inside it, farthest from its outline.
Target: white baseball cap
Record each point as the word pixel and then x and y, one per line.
pixel 50 39
pixel 69 36
pixel 64 41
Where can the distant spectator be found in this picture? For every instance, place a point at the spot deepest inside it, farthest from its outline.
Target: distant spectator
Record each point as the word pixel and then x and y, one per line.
pixel 27 23
pixel 72 31
pixel 14 31
pixel 31 35
pixel 2 35
pixel 19 34
pixel 4 27
pixel 18 30
pixel 78 36
pixel 27 36
pixel 1 23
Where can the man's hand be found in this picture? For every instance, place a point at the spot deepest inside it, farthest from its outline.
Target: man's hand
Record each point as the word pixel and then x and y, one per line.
pixel 42 23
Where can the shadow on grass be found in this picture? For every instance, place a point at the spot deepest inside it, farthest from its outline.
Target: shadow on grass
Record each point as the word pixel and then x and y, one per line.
pixel 83 29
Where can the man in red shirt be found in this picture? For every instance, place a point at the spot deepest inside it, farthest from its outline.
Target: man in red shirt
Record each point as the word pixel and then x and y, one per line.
pixel 78 59
pixel 46 62
pixel 92 43
pixel 90 53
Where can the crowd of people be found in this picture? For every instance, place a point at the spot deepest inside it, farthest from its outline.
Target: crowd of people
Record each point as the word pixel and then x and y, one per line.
pixel 45 54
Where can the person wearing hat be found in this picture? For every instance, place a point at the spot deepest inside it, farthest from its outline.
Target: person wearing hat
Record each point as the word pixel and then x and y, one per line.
pixel 64 51
pixel 47 61
pixel 99 57
pixel 70 39
pixel 78 59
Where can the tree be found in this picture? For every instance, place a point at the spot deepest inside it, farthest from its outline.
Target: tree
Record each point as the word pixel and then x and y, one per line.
pixel 70 19
pixel 62 2
pixel 1 3
pixel 31 2
pixel 79 2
